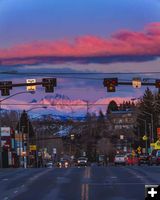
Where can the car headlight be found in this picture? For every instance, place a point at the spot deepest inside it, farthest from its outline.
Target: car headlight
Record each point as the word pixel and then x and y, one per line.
pixel 78 161
pixel 85 161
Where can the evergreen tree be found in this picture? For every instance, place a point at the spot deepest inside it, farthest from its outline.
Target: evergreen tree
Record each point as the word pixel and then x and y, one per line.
pixel 112 107
pixel 24 125
pixel 145 111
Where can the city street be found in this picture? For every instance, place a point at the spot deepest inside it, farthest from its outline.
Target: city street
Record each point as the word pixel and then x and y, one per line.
pixel 85 183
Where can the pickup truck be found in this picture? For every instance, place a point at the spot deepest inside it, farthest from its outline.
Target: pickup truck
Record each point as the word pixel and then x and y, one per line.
pixel 120 160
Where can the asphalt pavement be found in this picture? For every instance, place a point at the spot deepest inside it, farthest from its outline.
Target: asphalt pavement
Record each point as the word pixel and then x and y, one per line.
pixel 84 183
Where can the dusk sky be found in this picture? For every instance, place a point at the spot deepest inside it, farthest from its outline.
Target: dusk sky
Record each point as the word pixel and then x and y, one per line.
pixel 102 36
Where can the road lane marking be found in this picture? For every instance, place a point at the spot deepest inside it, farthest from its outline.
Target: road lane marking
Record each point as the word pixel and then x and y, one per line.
pixel 87 191
pixel 138 175
pixel 82 192
pixel 85 186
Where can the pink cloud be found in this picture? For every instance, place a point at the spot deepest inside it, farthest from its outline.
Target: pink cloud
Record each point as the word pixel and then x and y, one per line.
pixel 122 43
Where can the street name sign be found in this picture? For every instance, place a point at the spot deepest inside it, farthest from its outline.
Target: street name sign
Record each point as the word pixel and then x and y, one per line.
pixel 31 87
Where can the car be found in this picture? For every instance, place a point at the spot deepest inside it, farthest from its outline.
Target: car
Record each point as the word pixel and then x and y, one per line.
pixel 155 157
pixel 120 160
pixel 131 160
pixel 82 161
pixel 143 159
pixel 63 163
pixel 49 164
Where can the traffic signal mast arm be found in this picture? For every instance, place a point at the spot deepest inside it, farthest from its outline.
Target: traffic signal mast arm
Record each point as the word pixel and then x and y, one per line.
pixel 48 83
pixel 111 83
pixel 130 83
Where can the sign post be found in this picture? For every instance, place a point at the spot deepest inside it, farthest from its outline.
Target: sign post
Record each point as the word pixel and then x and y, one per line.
pixel 145 138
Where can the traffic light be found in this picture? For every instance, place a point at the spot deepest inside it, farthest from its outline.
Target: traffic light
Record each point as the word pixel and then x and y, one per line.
pixel 157 83
pixel 49 84
pixel 111 84
pixel 5 87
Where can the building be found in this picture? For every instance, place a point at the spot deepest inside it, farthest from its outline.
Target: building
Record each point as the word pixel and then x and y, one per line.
pixel 122 120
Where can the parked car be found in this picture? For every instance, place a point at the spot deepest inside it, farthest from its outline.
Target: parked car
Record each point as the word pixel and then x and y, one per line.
pixel 120 160
pixel 82 161
pixel 131 160
pixel 155 157
pixel 144 159
pixel 49 164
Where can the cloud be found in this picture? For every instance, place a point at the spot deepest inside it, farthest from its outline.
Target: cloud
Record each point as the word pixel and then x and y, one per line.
pixel 122 46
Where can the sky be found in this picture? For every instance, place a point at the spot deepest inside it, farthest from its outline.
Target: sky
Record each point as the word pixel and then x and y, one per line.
pixel 79 36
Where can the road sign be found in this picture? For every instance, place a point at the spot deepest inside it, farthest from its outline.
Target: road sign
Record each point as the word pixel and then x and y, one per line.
pixel 31 87
pixel 145 138
pixel 84 153
pixel 133 153
pixel 139 150
pixel 136 82
pixel 125 149
pixel 152 145
pixel 5 131
pixel 121 137
pixel 157 144
pixel 33 147
pixel 54 150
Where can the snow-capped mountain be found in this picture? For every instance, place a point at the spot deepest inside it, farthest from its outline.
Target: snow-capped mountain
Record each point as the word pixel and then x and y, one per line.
pixel 63 105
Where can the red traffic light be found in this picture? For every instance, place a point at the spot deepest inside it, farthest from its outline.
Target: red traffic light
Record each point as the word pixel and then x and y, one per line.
pixel 110 83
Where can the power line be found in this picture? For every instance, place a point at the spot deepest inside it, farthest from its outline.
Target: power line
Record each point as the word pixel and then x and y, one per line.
pixel 40 104
pixel 77 73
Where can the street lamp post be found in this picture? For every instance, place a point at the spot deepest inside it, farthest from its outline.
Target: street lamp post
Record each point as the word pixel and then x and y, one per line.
pixel 28 141
pixel 145 129
pixel 18 93
pixel 152 132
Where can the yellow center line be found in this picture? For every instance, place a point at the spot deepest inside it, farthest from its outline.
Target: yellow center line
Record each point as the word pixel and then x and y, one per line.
pixel 85 187
pixel 87 191
pixel 83 192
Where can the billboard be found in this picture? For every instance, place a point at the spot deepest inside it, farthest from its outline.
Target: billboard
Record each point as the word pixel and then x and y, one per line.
pixel 5 131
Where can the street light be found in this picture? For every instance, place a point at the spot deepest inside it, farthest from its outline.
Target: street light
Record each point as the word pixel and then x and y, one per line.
pixel 152 135
pixel 18 93
pixel 28 142
pixel 145 129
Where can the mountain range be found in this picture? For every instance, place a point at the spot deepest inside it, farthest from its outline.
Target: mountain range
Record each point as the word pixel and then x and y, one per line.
pixel 62 105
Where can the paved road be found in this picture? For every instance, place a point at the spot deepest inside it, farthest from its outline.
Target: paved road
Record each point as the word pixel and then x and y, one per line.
pixel 90 183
